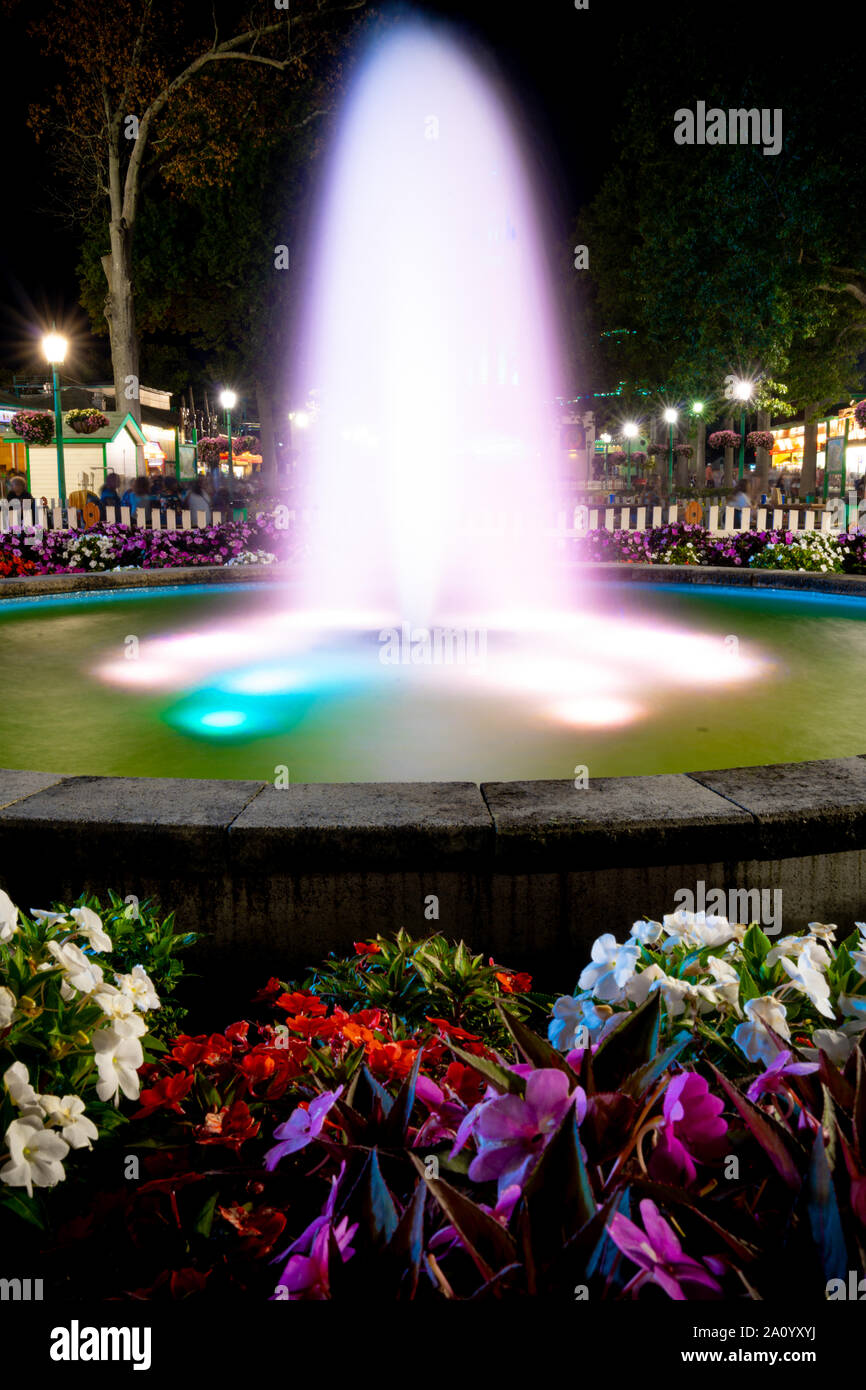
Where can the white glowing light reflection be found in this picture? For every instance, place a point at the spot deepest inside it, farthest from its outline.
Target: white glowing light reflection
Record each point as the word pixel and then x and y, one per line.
pixel 574 669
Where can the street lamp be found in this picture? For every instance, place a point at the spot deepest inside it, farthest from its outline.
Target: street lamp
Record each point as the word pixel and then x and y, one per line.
pixel 605 439
pixel 54 346
pixel 743 392
pixel 630 432
pixel 228 400
pixel 671 417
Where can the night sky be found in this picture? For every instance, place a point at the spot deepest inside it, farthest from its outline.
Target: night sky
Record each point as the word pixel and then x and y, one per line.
pixel 563 66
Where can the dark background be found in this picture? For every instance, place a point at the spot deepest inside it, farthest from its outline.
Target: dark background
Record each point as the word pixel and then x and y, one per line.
pixel 568 71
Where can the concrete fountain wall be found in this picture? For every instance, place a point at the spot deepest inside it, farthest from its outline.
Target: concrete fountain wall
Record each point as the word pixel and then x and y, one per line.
pixel 529 872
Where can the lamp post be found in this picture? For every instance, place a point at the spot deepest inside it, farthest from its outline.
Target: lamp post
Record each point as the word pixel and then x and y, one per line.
pixel 743 392
pixel 671 417
pixel 54 346
pixel 605 439
pixel 228 400
pixel 630 431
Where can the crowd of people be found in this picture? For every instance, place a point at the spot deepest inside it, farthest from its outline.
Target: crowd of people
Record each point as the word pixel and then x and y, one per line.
pixel 202 496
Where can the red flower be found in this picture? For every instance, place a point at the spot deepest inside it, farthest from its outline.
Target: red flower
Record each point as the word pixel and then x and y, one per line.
pixel 259 1229
pixel 190 1052
pixel 237 1033
pixel 367 948
pixel 232 1125
pixel 513 982
pixel 301 1003
pixel 470 1041
pixel 465 1083
pixel 270 991
pixel 394 1059
pixel 165 1095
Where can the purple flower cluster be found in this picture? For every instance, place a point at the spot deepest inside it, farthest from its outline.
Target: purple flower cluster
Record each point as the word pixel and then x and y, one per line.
pixel 724 439
pixel 33 426
pixel 680 543
pixel 206 545
pixel 760 439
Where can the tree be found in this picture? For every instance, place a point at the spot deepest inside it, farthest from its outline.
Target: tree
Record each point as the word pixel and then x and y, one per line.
pixel 148 91
pixel 726 259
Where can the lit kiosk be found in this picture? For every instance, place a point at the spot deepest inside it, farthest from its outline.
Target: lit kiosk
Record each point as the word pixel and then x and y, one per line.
pixel 86 458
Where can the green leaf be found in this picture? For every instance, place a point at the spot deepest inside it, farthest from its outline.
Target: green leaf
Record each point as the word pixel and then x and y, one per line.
pixel 204 1220
pixel 23 1206
pixel 557 1197
pixel 395 1128
pixel 506 1082
pixel 645 1077
pixel 536 1050
pixel 631 1045
pixel 756 943
pixel 406 1246
pixel 768 1132
pixel 488 1244
pixel 823 1209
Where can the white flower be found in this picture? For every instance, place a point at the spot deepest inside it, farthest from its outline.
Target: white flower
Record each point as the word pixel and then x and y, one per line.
pixel 113 1002
pixel 794 946
pixel 806 975
pixel 825 930
pixel 8 917
pixel 727 986
pixel 8 1004
pixel 570 1015
pixel 613 966
pixel 90 927
pixel 48 919
pixel 132 1026
pixel 678 993
pixel 139 987
pixel 697 929
pixel 68 1113
pixel 81 972
pixel 639 985
pixel 21 1093
pixel 837 1045
pixel 752 1036
pixel 34 1155
pixel 118 1057
pixel 647 933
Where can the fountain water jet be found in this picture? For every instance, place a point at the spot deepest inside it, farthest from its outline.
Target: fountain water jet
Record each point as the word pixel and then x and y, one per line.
pixel 432 344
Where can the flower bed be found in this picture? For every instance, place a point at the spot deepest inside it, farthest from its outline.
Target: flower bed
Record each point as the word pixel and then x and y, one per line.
pixel 682 544
pixel 112 546
pixel 413 1122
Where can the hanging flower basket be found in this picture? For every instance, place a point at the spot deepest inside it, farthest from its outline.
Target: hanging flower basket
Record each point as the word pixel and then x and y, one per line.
pixel 33 426
pixel 684 451
pixel 860 414
pixel 655 449
pixel 211 447
pixel 86 421
pixel 724 439
pixel 617 456
pixel 760 439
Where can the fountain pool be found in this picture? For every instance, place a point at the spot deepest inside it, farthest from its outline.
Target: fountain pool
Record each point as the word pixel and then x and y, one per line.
pixel 642 678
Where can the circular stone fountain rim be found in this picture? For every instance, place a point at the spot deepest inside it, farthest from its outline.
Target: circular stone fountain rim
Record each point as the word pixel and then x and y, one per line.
pixel 851 585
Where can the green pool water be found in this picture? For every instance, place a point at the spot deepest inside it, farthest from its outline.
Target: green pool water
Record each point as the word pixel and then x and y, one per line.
pixel 344 716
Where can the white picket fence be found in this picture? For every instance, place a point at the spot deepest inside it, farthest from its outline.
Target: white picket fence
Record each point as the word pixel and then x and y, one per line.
pixel 33 516
pixel 570 523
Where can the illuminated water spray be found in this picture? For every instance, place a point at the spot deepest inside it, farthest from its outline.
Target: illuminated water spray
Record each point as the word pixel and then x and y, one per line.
pixel 431 341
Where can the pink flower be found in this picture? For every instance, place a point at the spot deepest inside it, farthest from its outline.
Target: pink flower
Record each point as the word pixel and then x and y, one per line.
pixel 659 1256
pixel 301 1128
pixel 511 1131
pixel 692 1127
pixel 772 1081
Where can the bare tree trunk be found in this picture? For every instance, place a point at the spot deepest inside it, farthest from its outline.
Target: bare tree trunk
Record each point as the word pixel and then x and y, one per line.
pixel 763 455
pixel 265 404
pixel 728 479
pixel 681 472
pixel 810 450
